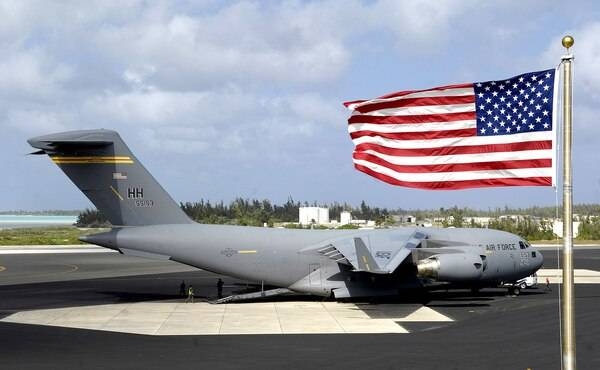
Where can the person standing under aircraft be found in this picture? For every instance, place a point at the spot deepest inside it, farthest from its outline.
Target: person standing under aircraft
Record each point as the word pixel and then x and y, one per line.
pixel 182 289
pixel 190 297
pixel 220 288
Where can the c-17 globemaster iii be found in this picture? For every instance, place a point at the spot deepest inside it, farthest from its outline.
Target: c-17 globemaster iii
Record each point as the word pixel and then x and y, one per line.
pixel 340 263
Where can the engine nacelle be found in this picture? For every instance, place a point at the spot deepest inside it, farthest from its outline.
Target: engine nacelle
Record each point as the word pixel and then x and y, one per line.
pixel 452 267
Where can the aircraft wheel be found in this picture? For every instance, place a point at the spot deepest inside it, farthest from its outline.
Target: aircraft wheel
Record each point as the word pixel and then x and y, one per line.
pixel 516 290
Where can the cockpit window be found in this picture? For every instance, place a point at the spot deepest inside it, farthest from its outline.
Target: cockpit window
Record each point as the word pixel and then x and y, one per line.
pixel 533 254
pixel 522 245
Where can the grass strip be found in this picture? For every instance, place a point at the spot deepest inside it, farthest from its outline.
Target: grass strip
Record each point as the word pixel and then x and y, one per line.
pixel 44 235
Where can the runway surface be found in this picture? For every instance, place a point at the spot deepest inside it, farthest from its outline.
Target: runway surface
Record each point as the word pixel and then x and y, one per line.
pixel 492 330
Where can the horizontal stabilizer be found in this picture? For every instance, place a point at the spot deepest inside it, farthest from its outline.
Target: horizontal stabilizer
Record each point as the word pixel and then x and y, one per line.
pixel 50 144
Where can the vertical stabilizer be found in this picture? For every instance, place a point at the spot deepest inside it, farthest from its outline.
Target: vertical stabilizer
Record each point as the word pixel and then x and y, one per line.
pixel 104 169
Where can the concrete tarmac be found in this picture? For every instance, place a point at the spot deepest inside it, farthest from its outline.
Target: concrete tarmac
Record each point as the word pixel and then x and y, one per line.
pixel 492 330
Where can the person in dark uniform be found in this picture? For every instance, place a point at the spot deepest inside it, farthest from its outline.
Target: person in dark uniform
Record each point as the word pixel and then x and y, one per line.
pixel 182 289
pixel 220 288
pixel 548 285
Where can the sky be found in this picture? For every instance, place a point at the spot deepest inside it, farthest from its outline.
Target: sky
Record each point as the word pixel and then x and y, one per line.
pixel 226 99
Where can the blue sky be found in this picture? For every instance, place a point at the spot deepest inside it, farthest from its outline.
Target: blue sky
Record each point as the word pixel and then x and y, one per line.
pixel 244 99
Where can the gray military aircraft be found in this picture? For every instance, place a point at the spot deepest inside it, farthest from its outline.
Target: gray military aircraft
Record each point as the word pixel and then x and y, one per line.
pixel 339 263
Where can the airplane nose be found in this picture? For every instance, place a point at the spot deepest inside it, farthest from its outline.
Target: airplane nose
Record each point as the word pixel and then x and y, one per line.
pixel 539 259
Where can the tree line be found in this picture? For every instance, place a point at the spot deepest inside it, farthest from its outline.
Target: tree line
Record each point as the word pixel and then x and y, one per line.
pixel 260 212
pixel 253 212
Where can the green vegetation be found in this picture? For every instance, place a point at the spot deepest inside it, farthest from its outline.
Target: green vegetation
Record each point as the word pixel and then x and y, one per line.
pixel 530 223
pixel 255 212
pixel 258 212
pixel 91 218
pixel 526 227
pixel 43 236
pixel 305 227
pixel 540 212
pixel 49 212
pixel 348 227
pixel 589 228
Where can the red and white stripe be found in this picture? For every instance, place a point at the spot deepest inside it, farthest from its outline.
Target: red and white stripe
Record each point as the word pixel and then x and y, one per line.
pixel 427 139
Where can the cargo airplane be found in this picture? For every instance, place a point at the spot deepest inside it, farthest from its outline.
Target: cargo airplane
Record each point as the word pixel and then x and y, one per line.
pixel 147 222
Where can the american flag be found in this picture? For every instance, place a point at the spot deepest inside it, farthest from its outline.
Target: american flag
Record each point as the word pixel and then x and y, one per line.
pixel 482 134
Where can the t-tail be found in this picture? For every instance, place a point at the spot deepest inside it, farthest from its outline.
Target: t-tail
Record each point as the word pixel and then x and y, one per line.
pixel 104 169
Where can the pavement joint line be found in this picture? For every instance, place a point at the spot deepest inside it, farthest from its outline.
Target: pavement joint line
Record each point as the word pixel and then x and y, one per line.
pixel 223 318
pixel 333 316
pixel 278 317
pixel 105 325
pixel 168 317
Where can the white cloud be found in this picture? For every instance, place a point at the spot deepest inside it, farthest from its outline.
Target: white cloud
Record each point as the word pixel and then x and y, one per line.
pixel 246 43
pixel 239 43
pixel 229 119
pixel 587 51
pixel 31 75
pixel 238 78
pixel 34 122
pixel 422 20
pixel 586 80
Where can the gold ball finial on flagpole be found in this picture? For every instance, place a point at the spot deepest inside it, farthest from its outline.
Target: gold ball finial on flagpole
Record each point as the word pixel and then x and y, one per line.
pixel 568 41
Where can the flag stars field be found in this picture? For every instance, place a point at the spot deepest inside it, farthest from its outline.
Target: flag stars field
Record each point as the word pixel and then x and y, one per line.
pixel 494 95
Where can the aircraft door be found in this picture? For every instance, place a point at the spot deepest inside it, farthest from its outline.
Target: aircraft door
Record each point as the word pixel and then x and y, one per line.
pixel 314 276
pixel 514 262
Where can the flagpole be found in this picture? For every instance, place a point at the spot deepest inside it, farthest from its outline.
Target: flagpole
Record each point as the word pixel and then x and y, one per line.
pixel 567 293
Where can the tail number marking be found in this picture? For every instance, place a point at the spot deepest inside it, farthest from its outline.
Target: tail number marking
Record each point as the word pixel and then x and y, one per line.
pixel 137 194
pixel 144 203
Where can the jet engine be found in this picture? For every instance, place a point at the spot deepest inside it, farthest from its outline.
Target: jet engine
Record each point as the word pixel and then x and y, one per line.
pixel 454 267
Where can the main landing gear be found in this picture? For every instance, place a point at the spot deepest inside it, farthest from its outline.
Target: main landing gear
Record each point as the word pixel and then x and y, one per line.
pixel 514 290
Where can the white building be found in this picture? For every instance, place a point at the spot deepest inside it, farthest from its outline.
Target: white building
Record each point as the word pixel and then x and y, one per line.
pixel 345 218
pixel 483 221
pixel 404 219
pixel 313 215
pixel 557 228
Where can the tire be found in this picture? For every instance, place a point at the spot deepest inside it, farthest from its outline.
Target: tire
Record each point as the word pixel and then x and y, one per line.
pixel 516 290
pixel 523 285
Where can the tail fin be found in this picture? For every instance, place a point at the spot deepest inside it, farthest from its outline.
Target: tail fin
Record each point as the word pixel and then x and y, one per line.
pixel 104 169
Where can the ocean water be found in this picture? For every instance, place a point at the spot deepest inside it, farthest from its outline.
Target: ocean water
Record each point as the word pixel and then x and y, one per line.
pixel 16 221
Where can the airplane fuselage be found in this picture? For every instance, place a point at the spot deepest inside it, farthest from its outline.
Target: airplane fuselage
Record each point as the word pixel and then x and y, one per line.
pixel 286 258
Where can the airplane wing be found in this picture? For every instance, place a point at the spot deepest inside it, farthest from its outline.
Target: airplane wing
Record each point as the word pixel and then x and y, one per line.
pixel 364 255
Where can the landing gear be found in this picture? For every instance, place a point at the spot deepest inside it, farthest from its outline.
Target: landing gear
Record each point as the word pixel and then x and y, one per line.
pixel 515 290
